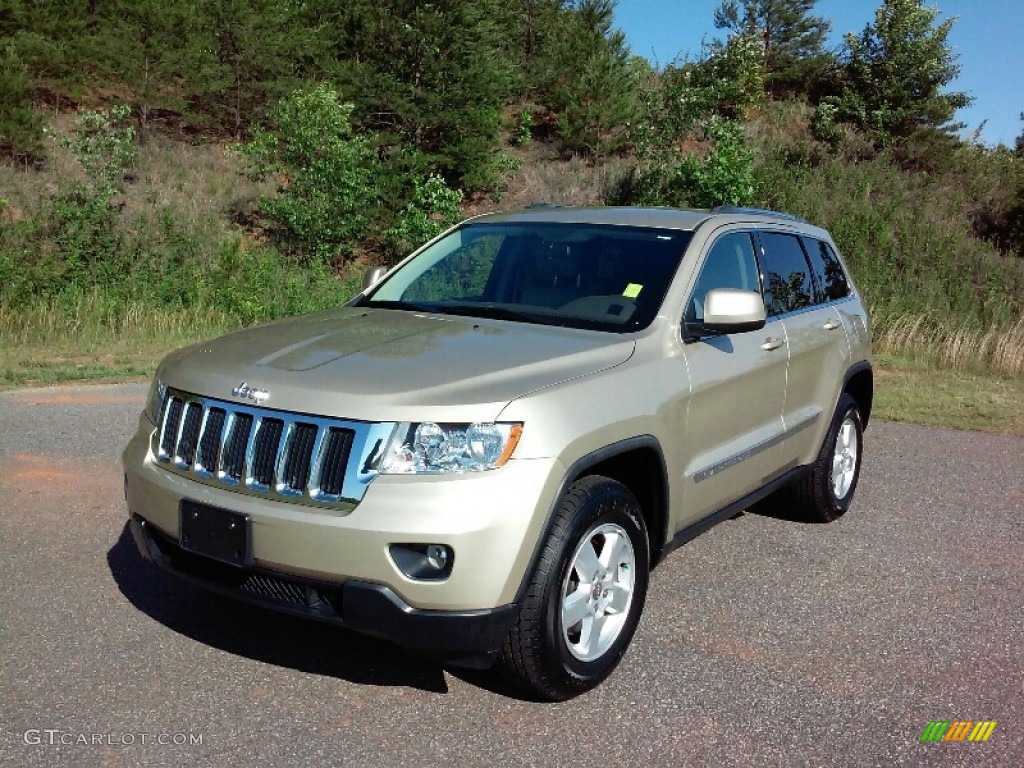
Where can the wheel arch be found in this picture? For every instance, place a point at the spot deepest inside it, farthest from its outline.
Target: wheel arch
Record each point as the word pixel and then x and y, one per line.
pixel 859 383
pixel 639 464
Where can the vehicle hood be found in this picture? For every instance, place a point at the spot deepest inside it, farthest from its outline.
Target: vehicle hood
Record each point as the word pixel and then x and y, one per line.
pixel 392 365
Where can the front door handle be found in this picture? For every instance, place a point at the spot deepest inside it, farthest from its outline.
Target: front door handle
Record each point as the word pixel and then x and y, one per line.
pixel 772 342
pixel 831 325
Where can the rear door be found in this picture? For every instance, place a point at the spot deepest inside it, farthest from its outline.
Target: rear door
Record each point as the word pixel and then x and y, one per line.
pixel 817 342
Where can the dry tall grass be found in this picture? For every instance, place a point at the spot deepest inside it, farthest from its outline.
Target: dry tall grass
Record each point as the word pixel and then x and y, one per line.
pixel 952 346
pixel 91 324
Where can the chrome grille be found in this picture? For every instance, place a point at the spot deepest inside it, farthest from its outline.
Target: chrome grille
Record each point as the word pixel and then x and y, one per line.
pixel 266 452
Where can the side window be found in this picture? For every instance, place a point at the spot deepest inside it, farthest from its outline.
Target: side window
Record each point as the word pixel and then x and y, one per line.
pixel 789 277
pixel 827 269
pixel 729 264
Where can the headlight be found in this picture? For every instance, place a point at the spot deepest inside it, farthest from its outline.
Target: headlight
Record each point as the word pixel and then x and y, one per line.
pixel 155 400
pixel 433 448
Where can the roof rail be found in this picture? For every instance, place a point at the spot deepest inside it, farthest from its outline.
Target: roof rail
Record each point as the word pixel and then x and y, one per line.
pixel 759 212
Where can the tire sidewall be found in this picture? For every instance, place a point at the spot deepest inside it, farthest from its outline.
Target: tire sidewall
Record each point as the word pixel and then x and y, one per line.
pixel 847 410
pixel 615 505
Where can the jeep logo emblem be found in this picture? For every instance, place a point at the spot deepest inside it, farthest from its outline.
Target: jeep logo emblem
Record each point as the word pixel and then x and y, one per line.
pixel 250 393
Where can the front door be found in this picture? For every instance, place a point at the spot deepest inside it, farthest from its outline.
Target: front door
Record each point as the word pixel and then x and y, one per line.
pixel 737 391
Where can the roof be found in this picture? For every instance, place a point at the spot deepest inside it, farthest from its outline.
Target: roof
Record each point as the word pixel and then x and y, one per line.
pixel 666 218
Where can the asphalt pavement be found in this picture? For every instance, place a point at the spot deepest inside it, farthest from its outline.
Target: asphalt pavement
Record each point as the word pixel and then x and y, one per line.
pixel 764 642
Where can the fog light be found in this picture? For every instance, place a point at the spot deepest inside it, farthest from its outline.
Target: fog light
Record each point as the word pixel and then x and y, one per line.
pixel 423 562
pixel 437 556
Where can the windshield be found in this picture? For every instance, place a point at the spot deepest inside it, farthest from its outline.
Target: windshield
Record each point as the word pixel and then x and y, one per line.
pixel 600 277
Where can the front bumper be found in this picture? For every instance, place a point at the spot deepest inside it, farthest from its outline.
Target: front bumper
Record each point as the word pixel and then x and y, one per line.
pixel 335 565
pixel 371 609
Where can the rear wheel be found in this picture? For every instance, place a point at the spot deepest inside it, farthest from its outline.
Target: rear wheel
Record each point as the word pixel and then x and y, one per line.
pixel 585 598
pixel 827 491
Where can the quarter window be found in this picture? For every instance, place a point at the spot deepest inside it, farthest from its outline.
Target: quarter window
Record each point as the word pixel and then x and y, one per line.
pixel 827 269
pixel 729 264
pixel 790 286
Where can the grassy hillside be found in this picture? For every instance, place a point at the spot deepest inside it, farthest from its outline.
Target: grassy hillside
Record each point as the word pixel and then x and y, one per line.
pixel 188 259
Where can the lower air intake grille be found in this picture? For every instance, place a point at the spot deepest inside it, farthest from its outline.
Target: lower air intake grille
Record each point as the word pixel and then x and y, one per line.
pixel 276 589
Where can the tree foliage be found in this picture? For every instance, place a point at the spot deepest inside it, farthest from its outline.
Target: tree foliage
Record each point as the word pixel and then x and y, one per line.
pixel 593 83
pixel 249 54
pixel 149 46
pixel 21 125
pixel 895 71
pixel 430 76
pixel 327 190
pixel 103 143
pixel 721 173
pixel 791 39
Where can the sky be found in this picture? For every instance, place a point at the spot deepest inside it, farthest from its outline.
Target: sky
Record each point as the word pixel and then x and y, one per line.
pixel 988 37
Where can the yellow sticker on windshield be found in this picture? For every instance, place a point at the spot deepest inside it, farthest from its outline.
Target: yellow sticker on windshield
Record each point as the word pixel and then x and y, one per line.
pixel 632 290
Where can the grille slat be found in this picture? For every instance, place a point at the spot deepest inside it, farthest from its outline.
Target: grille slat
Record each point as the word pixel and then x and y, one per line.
pixel 233 457
pixel 268 438
pixel 257 451
pixel 298 457
pixel 185 452
pixel 336 449
pixel 171 423
pixel 209 442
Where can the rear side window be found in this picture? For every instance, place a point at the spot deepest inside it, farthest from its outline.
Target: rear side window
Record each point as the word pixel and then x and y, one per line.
pixel 827 269
pixel 790 286
pixel 729 264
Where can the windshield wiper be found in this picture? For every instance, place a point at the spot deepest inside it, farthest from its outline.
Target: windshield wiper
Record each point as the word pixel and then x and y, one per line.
pixel 487 310
pixel 409 306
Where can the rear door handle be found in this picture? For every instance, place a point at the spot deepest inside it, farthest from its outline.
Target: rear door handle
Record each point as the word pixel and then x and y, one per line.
pixel 831 325
pixel 771 343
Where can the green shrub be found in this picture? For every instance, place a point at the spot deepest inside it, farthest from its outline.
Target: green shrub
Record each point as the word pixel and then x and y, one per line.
pixel 434 207
pixel 824 127
pixel 327 192
pixel 104 145
pixel 723 175
pixel 524 128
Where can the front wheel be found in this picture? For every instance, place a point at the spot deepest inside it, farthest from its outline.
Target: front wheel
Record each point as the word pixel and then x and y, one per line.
pixel 586 595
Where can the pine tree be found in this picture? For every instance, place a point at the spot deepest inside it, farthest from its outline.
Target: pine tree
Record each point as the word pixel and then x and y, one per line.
pixel 150 46
pixel 895 70
pixel 432 77
pixel 21 126
pixel 595 89
pixel 790 36
pixel 249 56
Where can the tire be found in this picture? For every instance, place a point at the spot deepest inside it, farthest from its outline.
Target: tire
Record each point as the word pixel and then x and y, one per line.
pixel 553 651
pixel 826 492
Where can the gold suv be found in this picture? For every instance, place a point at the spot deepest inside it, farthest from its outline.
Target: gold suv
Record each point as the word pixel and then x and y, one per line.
pixel 483 454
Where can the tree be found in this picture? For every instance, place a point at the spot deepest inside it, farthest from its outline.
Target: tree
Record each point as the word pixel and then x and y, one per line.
pixel 432 77
pixel 21 126
pixel 894 72
pixel 151 47
pixel 327 191
pixel 250 51
pixel 593 89
pixel 791 38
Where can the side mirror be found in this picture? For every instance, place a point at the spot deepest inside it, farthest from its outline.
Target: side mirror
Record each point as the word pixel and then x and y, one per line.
pixel 727 310
pixel 373 276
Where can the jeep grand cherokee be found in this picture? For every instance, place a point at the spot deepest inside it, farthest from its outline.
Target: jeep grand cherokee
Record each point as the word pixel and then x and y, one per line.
pixel 484 453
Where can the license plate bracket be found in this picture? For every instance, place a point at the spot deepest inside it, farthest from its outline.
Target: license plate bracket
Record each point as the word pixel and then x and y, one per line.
pixel 216 533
